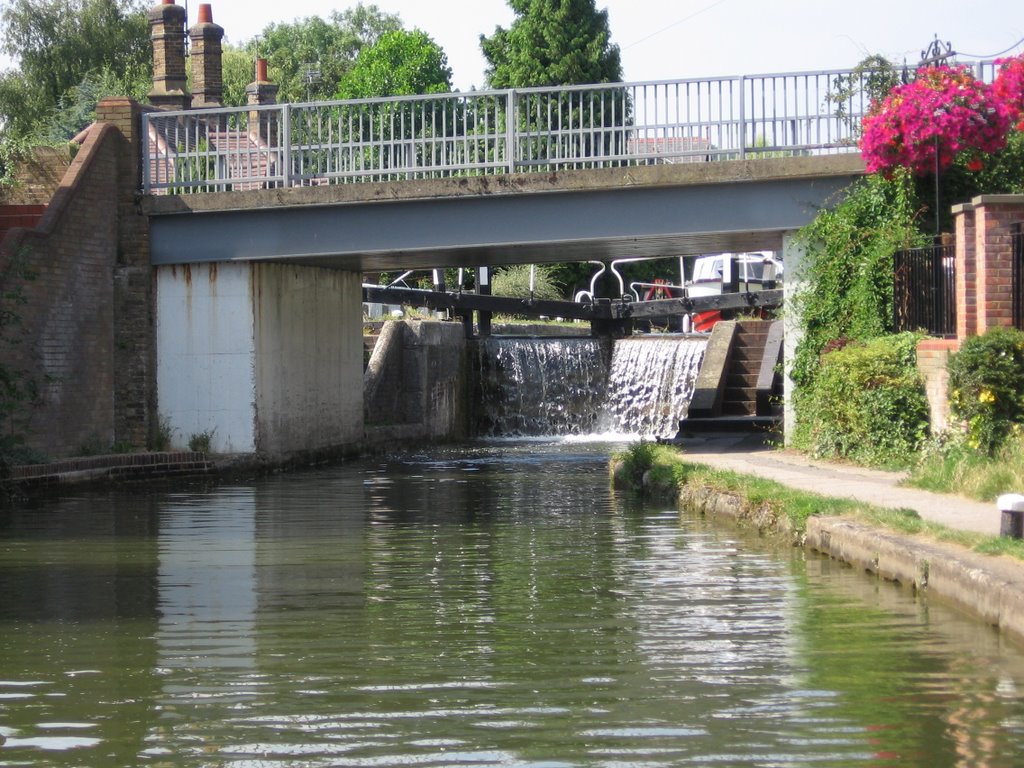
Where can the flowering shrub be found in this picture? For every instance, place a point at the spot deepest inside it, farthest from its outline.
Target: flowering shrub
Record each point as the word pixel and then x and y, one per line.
pixel 986 387
pixel 1008 89
pixel 945 111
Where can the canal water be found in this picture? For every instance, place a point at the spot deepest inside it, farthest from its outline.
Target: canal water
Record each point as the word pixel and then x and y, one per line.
pixel 493 604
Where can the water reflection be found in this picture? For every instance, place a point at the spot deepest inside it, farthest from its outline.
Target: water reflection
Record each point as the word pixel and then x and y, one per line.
pixel 483 605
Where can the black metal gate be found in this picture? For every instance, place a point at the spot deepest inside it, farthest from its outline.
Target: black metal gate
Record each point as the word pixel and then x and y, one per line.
pixel 924 290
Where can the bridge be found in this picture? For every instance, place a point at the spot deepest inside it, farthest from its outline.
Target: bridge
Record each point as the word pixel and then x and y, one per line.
pixel 271 213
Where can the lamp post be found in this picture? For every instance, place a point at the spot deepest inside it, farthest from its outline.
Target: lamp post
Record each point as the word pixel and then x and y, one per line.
pixel 934 55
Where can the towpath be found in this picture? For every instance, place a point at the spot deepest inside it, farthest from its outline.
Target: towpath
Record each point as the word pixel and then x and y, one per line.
pixel 752 454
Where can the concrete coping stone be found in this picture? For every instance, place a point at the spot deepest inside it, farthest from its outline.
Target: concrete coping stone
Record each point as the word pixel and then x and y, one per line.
pixel 1010 502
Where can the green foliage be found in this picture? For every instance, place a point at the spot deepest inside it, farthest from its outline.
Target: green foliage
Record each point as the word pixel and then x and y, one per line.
pixel 866 403
pixel 238 69
pixel 61 46
pixel 12 152
pixel 986 387
pixel 77 108
pixel 951 465
pixel 847 275
pixel 329 47
pixel 870 81
pixel 552 42
pixel 162 434
pixel 199 442
pixel 400 63
pixel 662 466
pixel 514 281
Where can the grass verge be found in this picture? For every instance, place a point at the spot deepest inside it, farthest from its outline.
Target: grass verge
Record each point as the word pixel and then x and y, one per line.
pixel 955 467
pixel 661 471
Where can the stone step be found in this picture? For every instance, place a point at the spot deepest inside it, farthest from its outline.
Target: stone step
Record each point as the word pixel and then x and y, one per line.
pixel 744 380
pixel 739 409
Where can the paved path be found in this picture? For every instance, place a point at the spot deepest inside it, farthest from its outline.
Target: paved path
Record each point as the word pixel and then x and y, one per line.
pixel 750 454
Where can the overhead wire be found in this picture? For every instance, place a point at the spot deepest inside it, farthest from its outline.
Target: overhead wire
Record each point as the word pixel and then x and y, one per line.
pixel 990 55
pixel 673 24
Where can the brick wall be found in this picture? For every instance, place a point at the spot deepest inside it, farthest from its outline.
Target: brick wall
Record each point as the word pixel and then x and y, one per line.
pixel 984 287
pixel 37 178
pixel 134 346
pixel 64 343
pixel 86 334
pixel 995 216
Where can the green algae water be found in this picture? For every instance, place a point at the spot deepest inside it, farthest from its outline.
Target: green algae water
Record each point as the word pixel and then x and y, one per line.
pixel 487 605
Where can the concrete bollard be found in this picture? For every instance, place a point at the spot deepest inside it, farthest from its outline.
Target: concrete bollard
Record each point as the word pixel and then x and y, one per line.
pixel 1011 510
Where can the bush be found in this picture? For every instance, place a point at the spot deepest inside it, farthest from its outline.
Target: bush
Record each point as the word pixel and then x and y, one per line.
pixel 986 387
pixel 866 403
pixel 649 468
pixel 847 273
pixel 515 281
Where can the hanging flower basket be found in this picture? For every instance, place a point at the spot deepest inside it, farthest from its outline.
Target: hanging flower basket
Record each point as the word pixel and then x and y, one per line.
pixel 925 124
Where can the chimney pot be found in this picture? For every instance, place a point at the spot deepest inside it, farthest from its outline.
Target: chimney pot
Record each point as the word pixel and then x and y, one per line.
pixel 261 70
pixel 205 13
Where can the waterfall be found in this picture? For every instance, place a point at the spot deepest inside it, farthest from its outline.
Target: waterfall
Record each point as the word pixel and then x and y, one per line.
pixel 572 386
pixel 650 384
pixel 541 386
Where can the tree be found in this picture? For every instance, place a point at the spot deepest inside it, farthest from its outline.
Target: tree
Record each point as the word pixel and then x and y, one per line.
pixel 64 45
pixel 400 63
pixel 327 48
pixel 552 42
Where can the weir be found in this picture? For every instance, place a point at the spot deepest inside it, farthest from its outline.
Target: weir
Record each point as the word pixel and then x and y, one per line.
pixel 639 386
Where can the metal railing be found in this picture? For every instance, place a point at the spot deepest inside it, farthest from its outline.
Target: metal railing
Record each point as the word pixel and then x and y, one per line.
pixel 924 290
pixel 508 131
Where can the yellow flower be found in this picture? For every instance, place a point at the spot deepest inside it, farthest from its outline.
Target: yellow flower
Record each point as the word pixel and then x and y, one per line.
pixel 986 396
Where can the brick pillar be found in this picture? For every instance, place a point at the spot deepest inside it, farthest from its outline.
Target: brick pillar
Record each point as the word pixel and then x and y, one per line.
pixel 966 272
pixel 995 217
pixel 258 93
pixel 134 346
pixel 167 34
pixel 207 71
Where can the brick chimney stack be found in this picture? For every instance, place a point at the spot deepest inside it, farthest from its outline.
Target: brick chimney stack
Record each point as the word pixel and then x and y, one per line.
pixel 207 71
pixel 262 92
pixel 167 33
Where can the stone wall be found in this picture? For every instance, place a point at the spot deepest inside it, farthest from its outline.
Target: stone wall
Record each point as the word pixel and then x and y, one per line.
pixel 416 385
pixel 932 357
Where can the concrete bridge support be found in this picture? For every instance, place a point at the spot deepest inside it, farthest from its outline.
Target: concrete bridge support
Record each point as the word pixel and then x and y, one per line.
pixel 793 258
pixel 267 358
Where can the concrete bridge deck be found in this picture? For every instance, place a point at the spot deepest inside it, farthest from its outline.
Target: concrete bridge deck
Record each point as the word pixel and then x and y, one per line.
pixel 574 215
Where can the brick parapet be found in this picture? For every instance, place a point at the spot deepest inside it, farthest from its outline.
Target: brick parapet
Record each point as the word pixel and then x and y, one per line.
pixel 966 272
pixel 995 218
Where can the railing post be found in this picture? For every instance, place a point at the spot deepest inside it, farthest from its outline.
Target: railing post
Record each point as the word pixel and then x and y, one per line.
pixel 743 117
pixel 286 145
pixel 511 142
pixel 146 179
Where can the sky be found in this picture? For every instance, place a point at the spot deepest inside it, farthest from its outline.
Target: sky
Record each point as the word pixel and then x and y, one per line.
pixel 668 40
pixel 675 39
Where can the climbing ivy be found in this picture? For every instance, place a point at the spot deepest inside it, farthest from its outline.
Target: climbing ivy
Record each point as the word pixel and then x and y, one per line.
pixel 847 272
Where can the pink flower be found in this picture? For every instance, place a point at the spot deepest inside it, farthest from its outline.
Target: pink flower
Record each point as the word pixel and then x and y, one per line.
pixel 925 124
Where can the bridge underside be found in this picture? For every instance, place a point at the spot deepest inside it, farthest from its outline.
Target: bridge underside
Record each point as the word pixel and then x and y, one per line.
pixel 599 214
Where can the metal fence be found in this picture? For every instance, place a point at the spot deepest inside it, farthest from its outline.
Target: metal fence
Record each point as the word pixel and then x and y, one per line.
pixel 924 290
pixel 508 131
